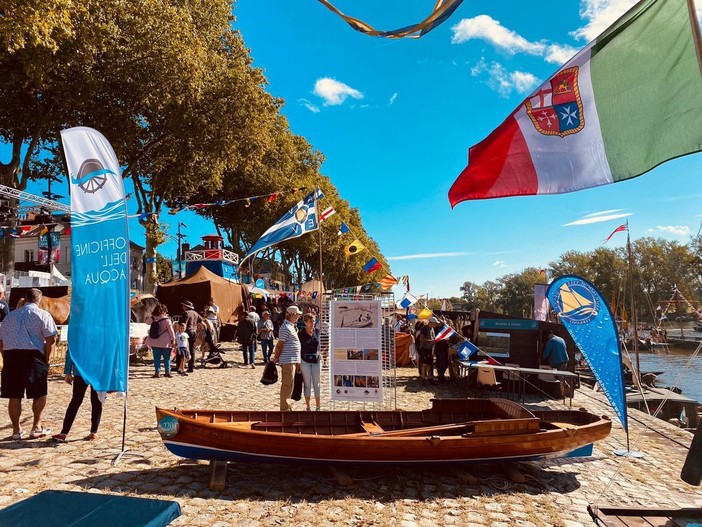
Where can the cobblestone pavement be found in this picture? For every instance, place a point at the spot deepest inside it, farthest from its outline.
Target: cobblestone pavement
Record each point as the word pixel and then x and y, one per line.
pixel 555 493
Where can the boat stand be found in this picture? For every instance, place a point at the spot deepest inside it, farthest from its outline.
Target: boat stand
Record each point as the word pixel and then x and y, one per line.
pixel 218 475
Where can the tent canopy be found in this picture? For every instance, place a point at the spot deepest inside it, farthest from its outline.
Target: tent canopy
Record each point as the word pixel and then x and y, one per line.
pixel 199 287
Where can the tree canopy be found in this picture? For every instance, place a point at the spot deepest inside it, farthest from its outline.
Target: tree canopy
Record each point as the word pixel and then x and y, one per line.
pixel 172 87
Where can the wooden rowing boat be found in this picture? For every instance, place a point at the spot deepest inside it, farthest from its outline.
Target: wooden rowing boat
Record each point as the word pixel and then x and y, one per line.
pixel 451 431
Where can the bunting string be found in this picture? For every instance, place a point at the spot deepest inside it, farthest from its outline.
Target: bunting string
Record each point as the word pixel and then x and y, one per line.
pixel 178 207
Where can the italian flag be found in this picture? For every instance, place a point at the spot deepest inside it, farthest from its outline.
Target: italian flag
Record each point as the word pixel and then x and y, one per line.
pixel 624 104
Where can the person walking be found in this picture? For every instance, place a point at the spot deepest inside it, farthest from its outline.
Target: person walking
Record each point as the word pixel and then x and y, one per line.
pixel 310 367
pixel 27 339
pixel 191 319
pixel 265 335
pixel 426 350
pixel 163 341
pixel 287 354
pixel 246 335
pixel 79 389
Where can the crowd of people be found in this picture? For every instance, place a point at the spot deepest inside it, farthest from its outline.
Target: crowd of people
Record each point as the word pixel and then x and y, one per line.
pixel 28 337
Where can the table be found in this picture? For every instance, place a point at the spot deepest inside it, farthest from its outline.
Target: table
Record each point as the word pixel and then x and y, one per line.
pixel 521 372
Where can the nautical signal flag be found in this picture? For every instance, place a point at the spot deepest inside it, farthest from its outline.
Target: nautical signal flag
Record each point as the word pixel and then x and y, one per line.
pixel 604 117
pixel 407 300
pixel 621 228
pixel 329 211
pixel 372 265
pixel 343 229
pixel 445 333
pixel 388 281
pixel 354 247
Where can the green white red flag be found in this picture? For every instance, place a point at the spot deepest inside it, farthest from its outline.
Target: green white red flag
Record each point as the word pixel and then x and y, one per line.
pixel 627 102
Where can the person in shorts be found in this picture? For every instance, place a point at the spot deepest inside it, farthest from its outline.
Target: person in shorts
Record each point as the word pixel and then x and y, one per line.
pixel 27 339
pixel 182 348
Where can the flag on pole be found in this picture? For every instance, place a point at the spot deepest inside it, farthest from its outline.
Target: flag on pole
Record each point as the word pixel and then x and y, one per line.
pixel 621 228
pixel 466 350
pixel 388 281
pixel 445 333
pixel 407 300
pixel 329 211
pixel 299 220
pixel 405 281
pixel 604 117
pixel 98 339
pixel 372 265
pixel 354 247
pixel 343 229
pixel 586 315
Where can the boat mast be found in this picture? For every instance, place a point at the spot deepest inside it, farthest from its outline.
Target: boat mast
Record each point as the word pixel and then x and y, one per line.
pixel 634 317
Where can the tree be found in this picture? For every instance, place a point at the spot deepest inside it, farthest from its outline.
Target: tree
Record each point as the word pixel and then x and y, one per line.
pixel 470 292
pixel 164 269
pixel 170 84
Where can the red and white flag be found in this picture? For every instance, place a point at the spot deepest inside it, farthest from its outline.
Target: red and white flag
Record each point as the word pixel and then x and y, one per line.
pixel 326 213
pixel 445 333
pixel 621 228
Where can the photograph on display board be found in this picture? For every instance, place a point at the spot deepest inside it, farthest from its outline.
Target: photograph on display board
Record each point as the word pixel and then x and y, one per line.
pixel 356 315
pixel 370 354
pixel 354 354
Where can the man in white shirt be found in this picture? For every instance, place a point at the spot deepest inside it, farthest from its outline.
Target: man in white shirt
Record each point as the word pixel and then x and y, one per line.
pixel 27 338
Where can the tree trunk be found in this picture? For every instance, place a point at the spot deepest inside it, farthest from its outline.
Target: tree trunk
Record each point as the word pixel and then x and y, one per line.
pixel 154 238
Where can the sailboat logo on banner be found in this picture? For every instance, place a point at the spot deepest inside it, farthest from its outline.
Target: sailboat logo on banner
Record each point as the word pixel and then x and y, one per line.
pixel 578 302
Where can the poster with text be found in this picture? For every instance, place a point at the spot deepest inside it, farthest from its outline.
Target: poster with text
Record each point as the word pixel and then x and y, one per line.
pixel 356 351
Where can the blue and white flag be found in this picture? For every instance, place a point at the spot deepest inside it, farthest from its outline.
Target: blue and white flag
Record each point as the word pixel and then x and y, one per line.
pixel 587 317
pixel 299 220
pixel 98 336
pixel 466 350
pixel 407 300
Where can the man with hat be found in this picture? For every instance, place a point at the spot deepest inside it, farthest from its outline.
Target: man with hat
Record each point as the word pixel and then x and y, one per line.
pixel 426 350
pixel 190 319
pixel 287 354
pixel 4 308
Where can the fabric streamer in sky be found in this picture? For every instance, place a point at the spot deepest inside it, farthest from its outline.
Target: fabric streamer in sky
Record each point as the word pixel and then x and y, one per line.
pixel 443 9
pixel 627 102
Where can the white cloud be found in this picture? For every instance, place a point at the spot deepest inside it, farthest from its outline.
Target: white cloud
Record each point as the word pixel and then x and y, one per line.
pixel 678 230
pixel 487 28
pixel 392 99
pixel 500 263
pixel 427 255
pixel 599 15
pixel 599 217
pixel 307 104
pixel 503 81
pixel 334 92
pixel 559 54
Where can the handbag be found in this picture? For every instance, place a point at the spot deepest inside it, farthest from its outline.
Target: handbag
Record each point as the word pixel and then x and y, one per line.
pixel 297 387
pixel 270 373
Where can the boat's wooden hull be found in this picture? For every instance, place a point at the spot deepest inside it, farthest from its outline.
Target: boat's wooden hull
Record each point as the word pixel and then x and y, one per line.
pixel 357 437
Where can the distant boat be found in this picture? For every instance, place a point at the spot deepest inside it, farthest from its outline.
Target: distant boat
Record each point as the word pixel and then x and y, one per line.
pixel 451 431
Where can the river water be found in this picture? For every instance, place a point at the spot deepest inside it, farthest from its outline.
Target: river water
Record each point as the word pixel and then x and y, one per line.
pixel 680 367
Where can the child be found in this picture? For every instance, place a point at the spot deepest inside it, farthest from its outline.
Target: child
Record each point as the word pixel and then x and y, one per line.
pixel 182 348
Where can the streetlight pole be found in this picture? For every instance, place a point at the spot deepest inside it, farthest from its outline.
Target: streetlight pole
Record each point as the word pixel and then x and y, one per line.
pixel 180 256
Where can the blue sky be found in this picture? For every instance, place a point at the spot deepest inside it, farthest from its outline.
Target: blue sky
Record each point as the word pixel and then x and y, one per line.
pixel 395 119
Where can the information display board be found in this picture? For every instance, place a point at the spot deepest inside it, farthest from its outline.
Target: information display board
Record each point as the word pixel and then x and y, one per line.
pixel 356 366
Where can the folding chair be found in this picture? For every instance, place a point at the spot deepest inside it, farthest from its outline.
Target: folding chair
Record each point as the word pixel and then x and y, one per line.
pixel 487 379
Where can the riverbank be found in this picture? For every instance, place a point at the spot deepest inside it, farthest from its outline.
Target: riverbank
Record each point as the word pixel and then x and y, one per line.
pixel 555 493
